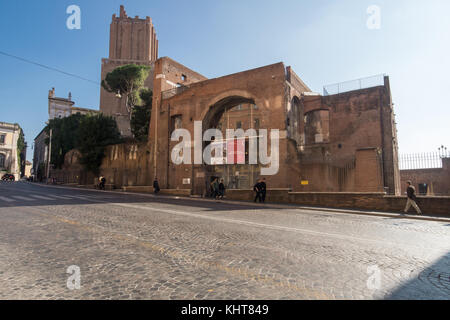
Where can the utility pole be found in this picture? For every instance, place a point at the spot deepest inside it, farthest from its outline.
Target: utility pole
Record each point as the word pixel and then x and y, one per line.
pixel 49 154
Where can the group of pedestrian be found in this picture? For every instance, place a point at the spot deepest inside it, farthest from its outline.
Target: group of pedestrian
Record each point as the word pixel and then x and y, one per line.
pixel 217 189
pixel 260 188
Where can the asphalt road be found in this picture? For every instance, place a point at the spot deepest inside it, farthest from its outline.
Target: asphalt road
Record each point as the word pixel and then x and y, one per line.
pixel 126 246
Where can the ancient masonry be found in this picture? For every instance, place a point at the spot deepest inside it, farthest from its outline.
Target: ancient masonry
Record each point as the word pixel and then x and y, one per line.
pixel 343 142
pixel 132 40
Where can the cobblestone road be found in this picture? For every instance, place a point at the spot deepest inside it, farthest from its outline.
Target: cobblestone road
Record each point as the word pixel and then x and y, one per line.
pixel 144 247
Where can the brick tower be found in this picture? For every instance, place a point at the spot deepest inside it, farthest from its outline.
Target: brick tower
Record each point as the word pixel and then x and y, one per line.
pixel 132 40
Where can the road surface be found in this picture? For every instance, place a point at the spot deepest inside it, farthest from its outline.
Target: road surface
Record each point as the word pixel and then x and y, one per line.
pixel 66 243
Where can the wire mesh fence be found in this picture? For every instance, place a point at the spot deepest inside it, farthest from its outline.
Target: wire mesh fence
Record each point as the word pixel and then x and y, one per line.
pixel 429 160
pixel 352 85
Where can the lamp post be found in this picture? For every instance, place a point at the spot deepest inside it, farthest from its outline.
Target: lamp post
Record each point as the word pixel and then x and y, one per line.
pixel 443 152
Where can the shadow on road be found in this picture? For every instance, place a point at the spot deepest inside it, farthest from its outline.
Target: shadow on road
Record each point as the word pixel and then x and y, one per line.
pixel 433 282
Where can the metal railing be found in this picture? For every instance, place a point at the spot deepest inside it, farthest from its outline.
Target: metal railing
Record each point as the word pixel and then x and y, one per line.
pixel 173 92
pixel 358 84
pixel 429 160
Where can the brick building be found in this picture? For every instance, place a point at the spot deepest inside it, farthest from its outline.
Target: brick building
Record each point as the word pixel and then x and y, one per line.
pixel 341 142
pixel 337 143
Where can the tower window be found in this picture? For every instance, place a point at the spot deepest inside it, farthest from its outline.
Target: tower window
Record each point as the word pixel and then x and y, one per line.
pixel 183 77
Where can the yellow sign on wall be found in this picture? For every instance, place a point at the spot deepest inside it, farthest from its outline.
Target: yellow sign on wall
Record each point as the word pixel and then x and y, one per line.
pixel 305 182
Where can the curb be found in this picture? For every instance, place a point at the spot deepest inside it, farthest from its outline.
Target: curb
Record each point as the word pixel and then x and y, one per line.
pixel 271 205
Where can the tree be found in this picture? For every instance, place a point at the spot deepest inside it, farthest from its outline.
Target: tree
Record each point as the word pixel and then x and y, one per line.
pixel 94 134
pixel 21 145
pixel 64 137
pixel 140 118
pixel 128 81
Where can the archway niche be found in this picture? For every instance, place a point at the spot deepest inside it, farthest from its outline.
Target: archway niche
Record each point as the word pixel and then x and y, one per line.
pixel 232 112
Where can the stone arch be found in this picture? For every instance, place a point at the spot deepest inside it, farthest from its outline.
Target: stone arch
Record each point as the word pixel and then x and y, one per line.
pixel 215 111
pixel 225 99
pixel 210 117
pixel 294 121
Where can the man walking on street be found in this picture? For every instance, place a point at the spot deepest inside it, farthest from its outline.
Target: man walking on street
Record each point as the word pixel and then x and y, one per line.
pixel 263 189
pixel 257 189
pixel 411 192
pixel 221 189
pixel 156 188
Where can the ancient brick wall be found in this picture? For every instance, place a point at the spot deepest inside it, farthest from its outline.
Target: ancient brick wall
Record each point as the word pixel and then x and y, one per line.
pixel 437 180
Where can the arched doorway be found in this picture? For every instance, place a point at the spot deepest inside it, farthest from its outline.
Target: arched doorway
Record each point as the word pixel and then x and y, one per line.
pixel 232 112
pixel 294 122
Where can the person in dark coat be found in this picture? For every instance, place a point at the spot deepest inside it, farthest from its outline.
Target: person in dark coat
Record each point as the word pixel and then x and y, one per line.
pixel 411 193
pixel 215 188
pixel 156 188
pixel 263 189
pixel 257 188
pixel 221 189
pixel 102 182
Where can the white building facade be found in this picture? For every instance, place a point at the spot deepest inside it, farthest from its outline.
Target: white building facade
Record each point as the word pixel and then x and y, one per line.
pixel 9 162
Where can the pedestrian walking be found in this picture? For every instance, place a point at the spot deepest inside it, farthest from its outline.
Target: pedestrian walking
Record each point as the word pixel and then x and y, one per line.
pixel 257 188
pixel 101 182
pixel 412 199
pixel 221 189
pixel 215 188
pixel 156 187
pixel 263 189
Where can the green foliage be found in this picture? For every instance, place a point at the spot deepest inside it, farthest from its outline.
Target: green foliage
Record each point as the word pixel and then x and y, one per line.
pixel 90 134
pixel 40 174
pixel 94 134
pixel 128 81
pixel 64 137
pixel 20 148
pixel 140 118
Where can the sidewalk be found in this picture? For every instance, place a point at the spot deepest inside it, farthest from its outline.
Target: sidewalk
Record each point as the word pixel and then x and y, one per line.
pixel 267 205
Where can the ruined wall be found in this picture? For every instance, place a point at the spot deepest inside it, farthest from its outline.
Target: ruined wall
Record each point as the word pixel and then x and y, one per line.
pixel 124 165
pixel 437 180
pixel 338 130
pixel 205 101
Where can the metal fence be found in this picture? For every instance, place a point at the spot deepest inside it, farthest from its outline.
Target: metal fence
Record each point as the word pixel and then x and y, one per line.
pixel 352 85
pixel 430 160
pixel 173 92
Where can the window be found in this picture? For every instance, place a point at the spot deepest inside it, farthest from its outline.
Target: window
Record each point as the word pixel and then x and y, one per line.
pixel 256 123
pixel 239 125
pixel 2 138
pixel 183 77
pixel 2 160
pixel 423 188
pixel 176 122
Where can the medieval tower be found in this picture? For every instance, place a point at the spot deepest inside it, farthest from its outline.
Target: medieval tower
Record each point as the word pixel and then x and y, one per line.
pixel 132 40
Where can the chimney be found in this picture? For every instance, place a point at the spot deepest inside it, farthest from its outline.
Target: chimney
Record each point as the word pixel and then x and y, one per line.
pixel 51 93
pixel 70 96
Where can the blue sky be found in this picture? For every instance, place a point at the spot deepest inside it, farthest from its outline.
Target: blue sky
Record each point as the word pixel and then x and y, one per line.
pixel 324 41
